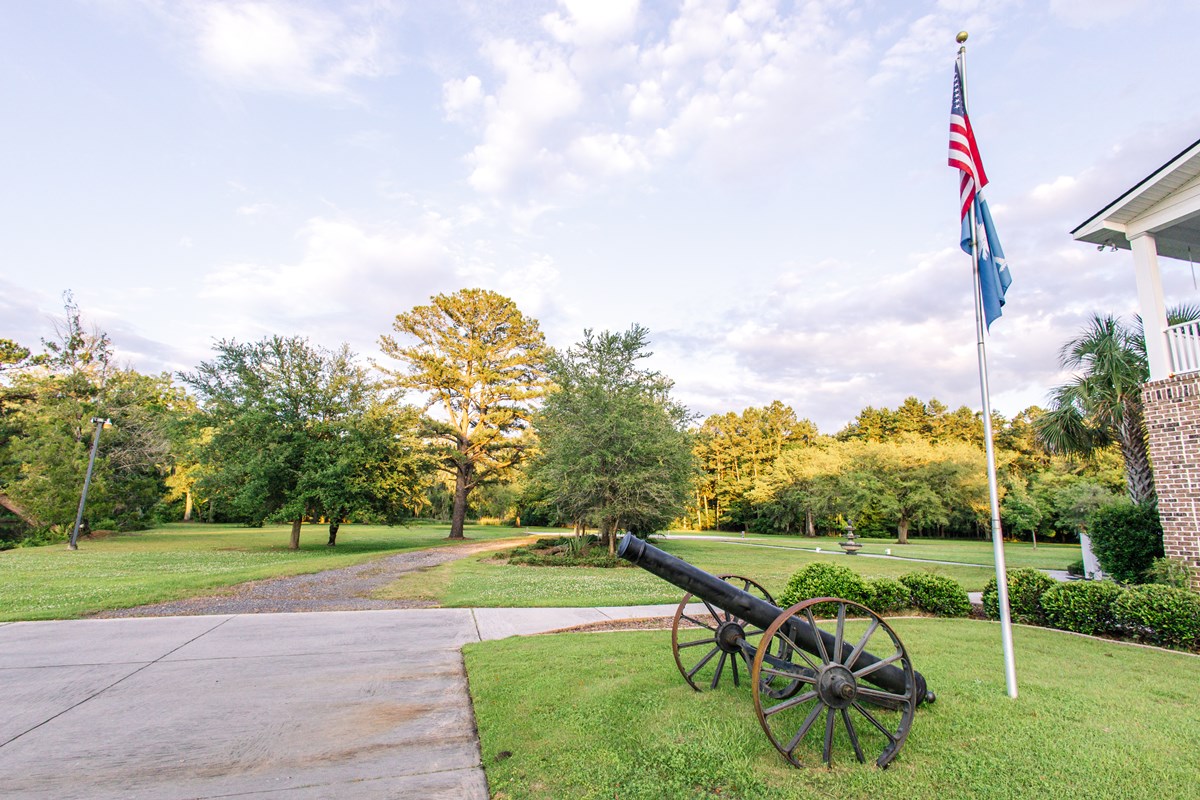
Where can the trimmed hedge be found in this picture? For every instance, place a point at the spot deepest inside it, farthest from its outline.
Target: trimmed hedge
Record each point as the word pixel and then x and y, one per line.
pixel 888 595
pixel 1082 606
pixel 937 594
pixel 1160 615
pixel 1025 589
pixel 1126 539
pixel 825 580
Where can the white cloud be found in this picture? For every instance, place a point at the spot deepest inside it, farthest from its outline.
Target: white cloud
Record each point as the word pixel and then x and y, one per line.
pixel 272 45
pixel 461 97
pixel 592 22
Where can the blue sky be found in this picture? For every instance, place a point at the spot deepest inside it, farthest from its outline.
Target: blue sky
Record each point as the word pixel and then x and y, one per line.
pixel 761 184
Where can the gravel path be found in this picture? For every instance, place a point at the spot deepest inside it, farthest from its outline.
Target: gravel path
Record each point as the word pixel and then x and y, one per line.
pixel 345 589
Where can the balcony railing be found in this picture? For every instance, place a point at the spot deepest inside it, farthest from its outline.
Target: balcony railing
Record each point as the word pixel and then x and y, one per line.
pixel 1184 343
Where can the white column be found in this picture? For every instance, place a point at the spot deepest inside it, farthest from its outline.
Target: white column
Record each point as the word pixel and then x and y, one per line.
pixel 1150 297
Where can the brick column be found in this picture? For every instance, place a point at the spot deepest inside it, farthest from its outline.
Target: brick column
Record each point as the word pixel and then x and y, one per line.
pixel 1172 407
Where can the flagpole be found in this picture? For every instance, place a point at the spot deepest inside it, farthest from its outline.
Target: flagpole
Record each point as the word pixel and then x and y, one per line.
pixel 1010 666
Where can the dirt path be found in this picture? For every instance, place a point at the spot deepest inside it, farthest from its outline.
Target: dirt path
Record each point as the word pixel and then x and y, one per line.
pixel 345 589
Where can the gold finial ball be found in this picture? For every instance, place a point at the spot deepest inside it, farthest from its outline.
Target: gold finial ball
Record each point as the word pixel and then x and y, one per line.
pixel 962 37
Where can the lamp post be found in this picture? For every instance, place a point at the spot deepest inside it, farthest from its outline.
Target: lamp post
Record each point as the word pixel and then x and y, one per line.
pixel 100 424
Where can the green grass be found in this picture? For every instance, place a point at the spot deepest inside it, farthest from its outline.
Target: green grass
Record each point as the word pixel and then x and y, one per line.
pixel 478 582
pixel 608 715
pixel 177 561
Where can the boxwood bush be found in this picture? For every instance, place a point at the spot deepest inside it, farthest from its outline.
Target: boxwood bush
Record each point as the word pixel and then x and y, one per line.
pixel 937 594
pixel 1025 589
pixel 1081 606
pixel 1126 539
pixel 888 595
pixel 825 580
pixel 1159 614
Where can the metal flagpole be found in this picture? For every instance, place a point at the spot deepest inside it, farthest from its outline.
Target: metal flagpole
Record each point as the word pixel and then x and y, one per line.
pixel 1010 666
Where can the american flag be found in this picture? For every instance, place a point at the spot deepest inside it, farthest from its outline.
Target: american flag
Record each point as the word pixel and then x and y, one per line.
pixel 964 153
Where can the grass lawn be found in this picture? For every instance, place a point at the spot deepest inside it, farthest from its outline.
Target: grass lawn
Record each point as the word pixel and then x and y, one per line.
pixel 178 560
pixel 608 715
pixel 477 582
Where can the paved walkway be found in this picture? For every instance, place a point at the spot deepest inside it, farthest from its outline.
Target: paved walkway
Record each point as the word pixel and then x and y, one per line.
pixel 344 704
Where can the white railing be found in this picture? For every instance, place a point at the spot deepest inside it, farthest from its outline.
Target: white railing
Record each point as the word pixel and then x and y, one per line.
pixel 1184 343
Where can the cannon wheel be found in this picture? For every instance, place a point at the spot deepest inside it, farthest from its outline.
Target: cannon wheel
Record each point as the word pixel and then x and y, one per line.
pixel 702 652
pixel 835 692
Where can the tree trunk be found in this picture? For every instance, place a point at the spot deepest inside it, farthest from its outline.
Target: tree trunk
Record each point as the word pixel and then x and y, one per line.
pixel 902 531
pixel 333 529
pixel 187 506
pixel 1134 452
pixel 459 515
pixel 295 543
pixel 810 524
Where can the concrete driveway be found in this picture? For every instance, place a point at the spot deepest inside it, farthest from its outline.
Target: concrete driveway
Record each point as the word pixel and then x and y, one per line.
pixel 356 704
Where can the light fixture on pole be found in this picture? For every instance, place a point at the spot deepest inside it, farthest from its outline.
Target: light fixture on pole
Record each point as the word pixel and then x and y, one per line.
pixel 100 424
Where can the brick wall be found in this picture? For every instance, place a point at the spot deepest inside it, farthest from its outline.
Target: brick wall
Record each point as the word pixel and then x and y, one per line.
pixel 1173 423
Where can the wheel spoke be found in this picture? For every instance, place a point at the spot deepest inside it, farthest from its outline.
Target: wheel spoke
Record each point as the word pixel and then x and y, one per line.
pixel 801 676
pixel 711 610
pixel 887 697
pixel 733 665
pixel 817 635
pixel 871 718
pixel 697 622
pixel 791 702
pixel 827 750
pixel 880 664
pixel 858 753
pixel 839 639
pixel 720 666
pixel 682 645
pixel 703 661
pixel 808 723
pixel 862 643
pixel 797 650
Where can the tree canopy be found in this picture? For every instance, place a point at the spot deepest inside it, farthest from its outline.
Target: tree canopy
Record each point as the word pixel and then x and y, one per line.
pixel 480 362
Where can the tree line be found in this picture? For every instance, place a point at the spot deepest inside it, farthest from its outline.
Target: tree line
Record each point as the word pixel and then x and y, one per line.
pixel 473 415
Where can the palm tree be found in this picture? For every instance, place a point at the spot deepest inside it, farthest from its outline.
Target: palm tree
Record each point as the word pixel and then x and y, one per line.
pixel 1102 405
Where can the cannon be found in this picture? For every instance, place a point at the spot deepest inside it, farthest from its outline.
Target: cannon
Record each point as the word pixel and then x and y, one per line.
pixel 826 666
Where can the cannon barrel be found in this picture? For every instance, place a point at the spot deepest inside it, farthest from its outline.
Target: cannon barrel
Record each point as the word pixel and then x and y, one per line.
pixel 741 604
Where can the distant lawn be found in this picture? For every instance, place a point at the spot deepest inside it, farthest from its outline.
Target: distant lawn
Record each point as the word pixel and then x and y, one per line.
pixel 771 561
pixel 178 560
pixel 608 715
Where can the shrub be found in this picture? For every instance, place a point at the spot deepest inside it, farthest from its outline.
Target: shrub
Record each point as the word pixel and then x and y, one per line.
pixel 937 594
pixel 888 595
pixel 1081 606
pixel 1170 572
pixel 825 580
pixel 1126 539
pixel 1025 588
pixel 1160 615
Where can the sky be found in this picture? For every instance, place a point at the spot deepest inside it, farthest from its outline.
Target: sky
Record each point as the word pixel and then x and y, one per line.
pixel 763 185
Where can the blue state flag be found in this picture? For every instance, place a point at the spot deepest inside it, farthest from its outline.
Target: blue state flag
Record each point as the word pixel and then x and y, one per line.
pixel 994 278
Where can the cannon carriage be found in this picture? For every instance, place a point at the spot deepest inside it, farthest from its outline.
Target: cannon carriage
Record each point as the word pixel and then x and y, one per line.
pixel 825 672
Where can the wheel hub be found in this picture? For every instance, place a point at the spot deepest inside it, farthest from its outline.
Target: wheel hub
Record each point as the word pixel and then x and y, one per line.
pixel 836 686
pixel 729 636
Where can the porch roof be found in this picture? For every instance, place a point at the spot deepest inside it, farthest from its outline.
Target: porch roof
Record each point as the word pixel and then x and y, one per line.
pixel 1165 204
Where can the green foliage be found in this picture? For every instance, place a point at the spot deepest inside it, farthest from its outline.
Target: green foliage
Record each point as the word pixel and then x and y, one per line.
pixel 291 430
pixel 1081 606
pixel 1075 568
pixel 1170 572
pixel 565 551
pixel 1126 539
pixel 888 595
pixel 937 594
pixel 614 449
pixel 1162 615
pixel 1025 589
pixel 822 579
pixel 474 354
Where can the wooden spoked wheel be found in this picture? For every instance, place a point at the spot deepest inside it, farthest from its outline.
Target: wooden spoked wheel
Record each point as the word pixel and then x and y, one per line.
pixel 833 706
pixel 707 651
